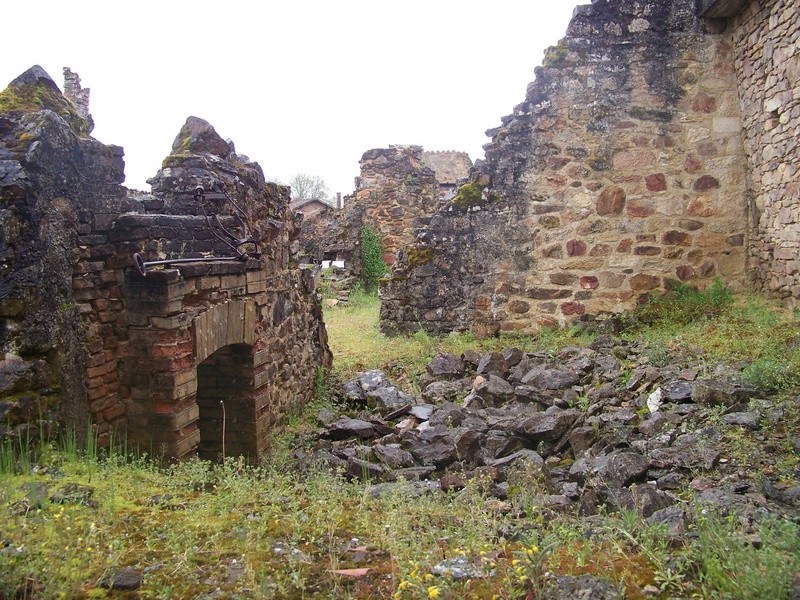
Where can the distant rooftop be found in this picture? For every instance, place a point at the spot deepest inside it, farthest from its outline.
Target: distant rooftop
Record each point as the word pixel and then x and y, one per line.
pixel 301 202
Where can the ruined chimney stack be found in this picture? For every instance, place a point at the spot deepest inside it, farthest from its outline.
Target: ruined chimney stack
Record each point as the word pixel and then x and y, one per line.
pixel 77 95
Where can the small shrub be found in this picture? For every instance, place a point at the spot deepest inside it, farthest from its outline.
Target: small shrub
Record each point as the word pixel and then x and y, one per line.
pixel 772 374
pixel 684 305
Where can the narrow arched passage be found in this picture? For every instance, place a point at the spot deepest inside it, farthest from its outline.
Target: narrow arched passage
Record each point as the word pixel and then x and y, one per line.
pixel 226 401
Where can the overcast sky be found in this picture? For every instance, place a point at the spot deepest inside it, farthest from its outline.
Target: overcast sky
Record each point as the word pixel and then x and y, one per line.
pixel 299 85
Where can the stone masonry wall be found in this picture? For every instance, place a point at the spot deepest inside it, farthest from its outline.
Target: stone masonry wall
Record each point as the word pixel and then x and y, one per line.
pixel 767 60
pixel 621 174
pixel 394 189
pixel 59 190
pixel 85 337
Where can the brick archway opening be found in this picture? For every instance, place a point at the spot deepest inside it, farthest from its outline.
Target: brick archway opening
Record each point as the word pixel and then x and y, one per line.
pixel 226 402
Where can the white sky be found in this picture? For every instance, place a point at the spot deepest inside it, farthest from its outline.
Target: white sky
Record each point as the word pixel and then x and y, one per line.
pixel 299 85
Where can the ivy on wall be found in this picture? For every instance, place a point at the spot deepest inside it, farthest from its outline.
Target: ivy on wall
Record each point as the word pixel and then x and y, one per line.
pixel 372 258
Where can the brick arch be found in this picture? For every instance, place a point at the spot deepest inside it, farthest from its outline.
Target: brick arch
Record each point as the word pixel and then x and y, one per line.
pixel 180 367
pixel 233 322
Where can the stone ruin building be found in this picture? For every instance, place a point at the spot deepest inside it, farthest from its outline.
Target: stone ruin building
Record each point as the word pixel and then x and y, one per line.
pixel 398 187
pixel 201 356
pixel 657 145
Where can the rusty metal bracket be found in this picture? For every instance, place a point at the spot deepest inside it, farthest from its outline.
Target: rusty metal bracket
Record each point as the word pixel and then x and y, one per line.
pixel 218 230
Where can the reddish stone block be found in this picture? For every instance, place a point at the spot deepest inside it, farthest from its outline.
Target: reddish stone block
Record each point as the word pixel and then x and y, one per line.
pixel 640 208
pixel 589 282
pixel 676 238
pixel 705 183
pixel 656 182
pixel 573 308
pixel 647 250
pixel 611 201
pixel 114 412
pixel 691 164
pixel 704 103
pixel 576 248
pixel 644 282
pixel 700 207
pixel 557 162
pixel 101 370
pixel 707 149
pixel 97 392
pixel 624 246
pixel 684 272
pixel 172 350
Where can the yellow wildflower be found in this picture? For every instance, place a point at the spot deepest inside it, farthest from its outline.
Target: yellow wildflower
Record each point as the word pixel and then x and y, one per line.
pixel 403 585
pixel 433 592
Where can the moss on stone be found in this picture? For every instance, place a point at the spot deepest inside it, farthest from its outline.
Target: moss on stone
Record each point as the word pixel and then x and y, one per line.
pixel 33 98
pixel 470 194
pixel 176 159
pixel 555 57
pixel 419 256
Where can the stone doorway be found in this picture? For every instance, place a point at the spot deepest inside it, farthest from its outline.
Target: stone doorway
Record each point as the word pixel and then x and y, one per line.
pixel 226 402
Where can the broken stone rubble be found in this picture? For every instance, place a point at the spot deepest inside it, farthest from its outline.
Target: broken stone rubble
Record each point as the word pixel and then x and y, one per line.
pixel 573 423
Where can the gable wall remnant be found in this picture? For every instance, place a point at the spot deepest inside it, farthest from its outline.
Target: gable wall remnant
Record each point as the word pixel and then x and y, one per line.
pixel 394 189
pixel 623 173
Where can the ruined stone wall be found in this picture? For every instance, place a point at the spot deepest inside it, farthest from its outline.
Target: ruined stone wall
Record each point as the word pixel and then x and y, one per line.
pixel 621 174
pixel 85 337
pixel 395 188
pixel 58 192
pixel 767 59
pixel 78 95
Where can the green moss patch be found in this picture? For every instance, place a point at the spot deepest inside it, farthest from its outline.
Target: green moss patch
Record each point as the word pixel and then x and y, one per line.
pixel 33 98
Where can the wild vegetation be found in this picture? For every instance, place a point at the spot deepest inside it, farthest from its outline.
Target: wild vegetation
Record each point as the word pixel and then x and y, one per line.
pixel 73 518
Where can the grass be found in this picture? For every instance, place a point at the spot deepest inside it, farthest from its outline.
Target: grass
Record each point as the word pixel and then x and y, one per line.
pixel 358 345
pixel 231 529
pixel 749 330
pixel 270 531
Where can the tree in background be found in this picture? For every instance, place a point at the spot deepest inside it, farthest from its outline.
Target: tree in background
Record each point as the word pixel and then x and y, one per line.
pixel 305 186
